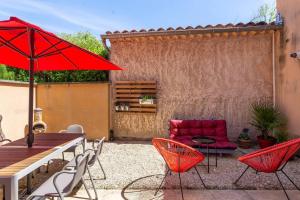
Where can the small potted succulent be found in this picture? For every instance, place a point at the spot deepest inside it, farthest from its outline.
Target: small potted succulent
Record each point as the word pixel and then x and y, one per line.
pixel 146 99
pixel 126 106
pixel 244 140
pixel 117 106
pixel 122 106
pixel 266 118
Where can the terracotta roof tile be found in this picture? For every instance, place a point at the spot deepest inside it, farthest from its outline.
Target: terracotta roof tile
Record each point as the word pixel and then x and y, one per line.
pixel 197 28
pixel 170 29
pixel 179 28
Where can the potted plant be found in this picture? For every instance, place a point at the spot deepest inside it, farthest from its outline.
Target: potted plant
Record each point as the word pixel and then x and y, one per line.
pixel 146 99
pixel 281 135
pixel 244 140
pixel 126 106
pixel 265 118
pixel 122 106
pixel 117 106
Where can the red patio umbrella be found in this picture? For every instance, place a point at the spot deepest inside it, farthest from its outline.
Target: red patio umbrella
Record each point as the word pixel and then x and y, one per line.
pixel 26 46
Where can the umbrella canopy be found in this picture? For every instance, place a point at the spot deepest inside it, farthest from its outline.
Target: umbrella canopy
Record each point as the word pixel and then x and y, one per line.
pixel 27 46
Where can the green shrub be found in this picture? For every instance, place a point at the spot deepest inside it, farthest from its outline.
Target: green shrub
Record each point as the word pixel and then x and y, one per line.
pixel 266 117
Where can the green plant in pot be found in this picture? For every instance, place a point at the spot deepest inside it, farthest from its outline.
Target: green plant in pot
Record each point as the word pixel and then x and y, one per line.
pixel 265 118
pixel 280 134
pixel 146 99
pixel 244 140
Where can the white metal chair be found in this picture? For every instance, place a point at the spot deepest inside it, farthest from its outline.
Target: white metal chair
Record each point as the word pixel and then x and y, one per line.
pixel 62 183
pixel 94 156
pixel 74 128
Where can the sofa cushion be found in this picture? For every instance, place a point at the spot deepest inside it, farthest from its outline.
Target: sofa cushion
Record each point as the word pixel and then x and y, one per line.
pixel 188 140
pixel 184 130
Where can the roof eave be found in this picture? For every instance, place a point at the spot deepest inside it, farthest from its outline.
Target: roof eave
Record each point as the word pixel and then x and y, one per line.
pixel 192 31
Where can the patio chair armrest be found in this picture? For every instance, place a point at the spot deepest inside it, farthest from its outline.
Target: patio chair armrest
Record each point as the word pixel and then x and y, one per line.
pixel 97 140
pixel 77 160
pixel 87 150
pixel 56 175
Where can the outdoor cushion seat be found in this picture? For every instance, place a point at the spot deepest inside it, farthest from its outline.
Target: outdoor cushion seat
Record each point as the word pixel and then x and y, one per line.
pixel 188 140
pixel 184 130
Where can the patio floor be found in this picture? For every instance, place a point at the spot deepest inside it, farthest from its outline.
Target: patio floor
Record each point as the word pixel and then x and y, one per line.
pixel 131 166
pixel 190 195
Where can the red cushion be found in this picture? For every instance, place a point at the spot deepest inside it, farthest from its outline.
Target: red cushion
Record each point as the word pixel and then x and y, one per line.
pixel 184 130
pixel 219 144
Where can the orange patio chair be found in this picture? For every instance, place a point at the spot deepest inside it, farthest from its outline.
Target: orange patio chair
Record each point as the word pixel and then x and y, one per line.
pixel 271 160
pixel 179 158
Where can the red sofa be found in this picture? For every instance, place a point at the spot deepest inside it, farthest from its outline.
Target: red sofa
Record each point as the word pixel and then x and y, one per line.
pixel 184 130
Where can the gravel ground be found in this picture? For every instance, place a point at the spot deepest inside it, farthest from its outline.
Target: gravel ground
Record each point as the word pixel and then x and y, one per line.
pixel 137 165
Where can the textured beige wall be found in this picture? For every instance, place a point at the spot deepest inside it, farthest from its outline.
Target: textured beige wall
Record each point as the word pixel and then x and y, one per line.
pixel 14 108
pixel 289 73
pixel 79 103
pixel 198 78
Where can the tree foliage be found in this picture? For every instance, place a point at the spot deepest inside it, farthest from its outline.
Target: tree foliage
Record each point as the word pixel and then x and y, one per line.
pixel 265 13
pixel 83 39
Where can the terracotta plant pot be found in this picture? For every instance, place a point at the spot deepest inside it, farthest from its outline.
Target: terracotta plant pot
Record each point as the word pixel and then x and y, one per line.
pixel 245 144
pixel 263 143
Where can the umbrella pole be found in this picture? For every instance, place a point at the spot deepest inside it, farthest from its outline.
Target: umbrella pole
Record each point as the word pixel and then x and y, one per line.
pixel 30 137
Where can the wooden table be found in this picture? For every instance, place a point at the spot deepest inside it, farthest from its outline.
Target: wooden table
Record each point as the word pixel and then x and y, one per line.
pixel 17 160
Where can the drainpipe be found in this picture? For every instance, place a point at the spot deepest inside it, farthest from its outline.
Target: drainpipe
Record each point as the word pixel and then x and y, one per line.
pixel 274 68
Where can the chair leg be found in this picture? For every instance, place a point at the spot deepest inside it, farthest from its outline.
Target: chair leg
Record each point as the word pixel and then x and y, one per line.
pixel 93 184
pixel 86 188
pixel 101 168
pixel 200 178
pixel 48 163
pixel 235 182
pixel 63 156
pixel 74 153
pixel 282 186
pixel 180 185
pixel 161 183
pixel 290 180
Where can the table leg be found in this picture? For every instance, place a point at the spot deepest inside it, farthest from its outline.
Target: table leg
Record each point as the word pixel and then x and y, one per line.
pixel 207 150
pixel 216 156
pixel 10 188
pixel 29 187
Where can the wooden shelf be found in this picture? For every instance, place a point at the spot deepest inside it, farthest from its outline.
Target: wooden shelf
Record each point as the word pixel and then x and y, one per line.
pixel 129 93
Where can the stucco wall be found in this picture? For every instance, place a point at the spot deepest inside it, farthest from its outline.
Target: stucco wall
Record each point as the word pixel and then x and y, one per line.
pixel 14 108
pixel 289 73
pixel 79 103
pixel 198 78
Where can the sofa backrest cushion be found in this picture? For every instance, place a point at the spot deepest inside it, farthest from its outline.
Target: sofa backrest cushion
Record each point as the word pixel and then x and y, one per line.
pixel 215 128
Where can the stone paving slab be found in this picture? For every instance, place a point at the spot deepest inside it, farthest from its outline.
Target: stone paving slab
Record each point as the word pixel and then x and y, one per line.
pixel 190 195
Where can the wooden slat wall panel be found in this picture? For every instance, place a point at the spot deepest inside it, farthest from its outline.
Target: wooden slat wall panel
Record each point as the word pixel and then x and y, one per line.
pixel 129 92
